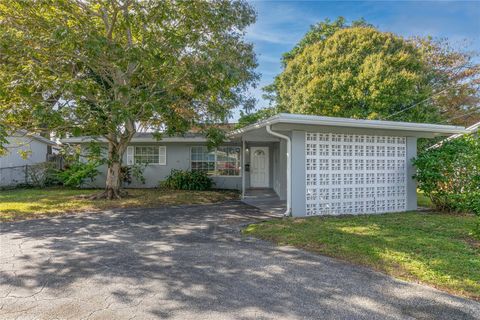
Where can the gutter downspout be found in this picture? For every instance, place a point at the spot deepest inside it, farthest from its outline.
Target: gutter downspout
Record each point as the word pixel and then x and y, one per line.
pixel 289 167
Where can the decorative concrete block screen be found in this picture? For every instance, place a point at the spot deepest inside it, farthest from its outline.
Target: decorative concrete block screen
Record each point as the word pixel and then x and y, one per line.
pixel 354 174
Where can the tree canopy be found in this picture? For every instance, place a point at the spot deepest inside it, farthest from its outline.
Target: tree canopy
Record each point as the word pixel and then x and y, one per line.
pixel 110 68
pixel 355 70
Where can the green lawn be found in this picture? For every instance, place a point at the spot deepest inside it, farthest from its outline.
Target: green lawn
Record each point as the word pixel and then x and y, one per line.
pixel 431 248
pixel 423 200
pixel 29 203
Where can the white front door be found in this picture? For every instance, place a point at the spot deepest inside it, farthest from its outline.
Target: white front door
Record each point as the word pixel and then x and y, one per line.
pixel 259 167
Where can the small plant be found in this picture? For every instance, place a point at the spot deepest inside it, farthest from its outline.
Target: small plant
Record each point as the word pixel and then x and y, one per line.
pixel 187 180
pixel 77 172
pixel 133 172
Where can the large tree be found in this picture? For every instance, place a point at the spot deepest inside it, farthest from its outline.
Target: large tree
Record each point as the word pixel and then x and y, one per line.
pixel 106 68
pixel 354 70
pixel 455 82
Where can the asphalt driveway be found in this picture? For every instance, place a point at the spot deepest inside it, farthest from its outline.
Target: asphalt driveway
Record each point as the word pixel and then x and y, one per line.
pixel 191 263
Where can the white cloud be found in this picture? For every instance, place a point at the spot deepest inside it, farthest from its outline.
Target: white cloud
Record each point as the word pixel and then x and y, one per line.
pixel 277 38
pixel 269 58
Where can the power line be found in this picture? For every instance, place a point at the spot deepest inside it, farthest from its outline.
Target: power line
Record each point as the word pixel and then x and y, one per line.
pixel 415 104
pixel 426 99
pixel 461 116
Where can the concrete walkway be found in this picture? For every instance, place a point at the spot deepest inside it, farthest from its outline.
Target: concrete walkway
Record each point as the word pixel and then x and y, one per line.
pixel 266 200
pixel 191 263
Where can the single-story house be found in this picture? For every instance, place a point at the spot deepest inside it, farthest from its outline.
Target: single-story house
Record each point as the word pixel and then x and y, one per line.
pixel 317 165
pixel 22 150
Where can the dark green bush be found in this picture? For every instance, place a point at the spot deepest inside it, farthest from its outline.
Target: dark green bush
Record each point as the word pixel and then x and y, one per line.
pixel 450 175
pixel 133 172
pixel 187 180
pixel 77 172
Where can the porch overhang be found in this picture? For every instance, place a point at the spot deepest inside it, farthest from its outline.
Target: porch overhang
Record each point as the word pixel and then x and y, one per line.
pixel 255 135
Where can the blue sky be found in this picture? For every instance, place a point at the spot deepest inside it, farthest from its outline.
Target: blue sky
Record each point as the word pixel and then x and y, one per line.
pixel 281 24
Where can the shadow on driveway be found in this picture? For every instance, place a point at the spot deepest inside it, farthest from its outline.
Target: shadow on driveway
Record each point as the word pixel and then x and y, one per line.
pixel 190 262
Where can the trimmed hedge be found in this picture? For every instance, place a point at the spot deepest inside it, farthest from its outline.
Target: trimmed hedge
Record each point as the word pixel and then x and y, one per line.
pixel 187 180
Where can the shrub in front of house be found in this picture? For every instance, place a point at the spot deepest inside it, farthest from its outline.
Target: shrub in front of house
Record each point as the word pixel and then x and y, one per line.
pixel 42 175
pixel 450 175
pixel 187 180
pixel 133 173
pixel 77 173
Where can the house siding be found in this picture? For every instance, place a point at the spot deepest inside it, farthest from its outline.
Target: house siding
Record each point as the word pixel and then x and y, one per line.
pixel 13 166
pixel 279 168
pixel 178 157
pixel 411 182
pixel 37 152
pixel 298 173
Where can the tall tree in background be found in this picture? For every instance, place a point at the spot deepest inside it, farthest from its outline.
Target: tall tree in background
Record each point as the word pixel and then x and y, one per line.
pixel 354 70
pixel 357 72
pixel 455 81
pixel 114 66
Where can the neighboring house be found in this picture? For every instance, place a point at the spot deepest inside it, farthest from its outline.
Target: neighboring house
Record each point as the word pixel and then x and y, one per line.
pixel 473 129
pixel 23 150
pixel 317 165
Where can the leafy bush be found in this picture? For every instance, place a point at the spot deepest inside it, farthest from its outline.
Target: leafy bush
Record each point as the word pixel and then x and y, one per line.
pixel 77 172
pixel 450 175
pixel 187 180
pixel 133 172
pixel 42 175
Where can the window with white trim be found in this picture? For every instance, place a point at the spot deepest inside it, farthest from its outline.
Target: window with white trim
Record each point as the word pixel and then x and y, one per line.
pixel 222 161
pixel 147 155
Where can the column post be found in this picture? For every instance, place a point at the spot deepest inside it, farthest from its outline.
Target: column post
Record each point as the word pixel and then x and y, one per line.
pixel 243 169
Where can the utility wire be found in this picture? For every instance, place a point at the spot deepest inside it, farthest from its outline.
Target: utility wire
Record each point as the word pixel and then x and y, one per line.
pixel 430 97
pixel 426 99
pixel 461 116
pixel 415 104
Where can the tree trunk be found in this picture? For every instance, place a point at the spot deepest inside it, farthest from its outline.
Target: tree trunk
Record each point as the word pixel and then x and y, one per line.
pixel 113 182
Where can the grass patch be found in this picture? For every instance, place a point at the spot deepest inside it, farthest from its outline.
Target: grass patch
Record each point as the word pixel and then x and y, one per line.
pixel 423 200
pixel 431 248
pixel 30 203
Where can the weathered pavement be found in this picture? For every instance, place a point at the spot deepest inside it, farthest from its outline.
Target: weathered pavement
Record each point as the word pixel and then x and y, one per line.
pixel 191 263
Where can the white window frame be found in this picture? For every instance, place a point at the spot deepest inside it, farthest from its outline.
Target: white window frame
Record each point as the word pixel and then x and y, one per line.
pixel 215 161
pixel 161 160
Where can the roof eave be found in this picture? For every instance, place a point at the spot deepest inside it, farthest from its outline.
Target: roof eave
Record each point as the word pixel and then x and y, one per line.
pixel 352 123
pixel 80 140
pixel 24 134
